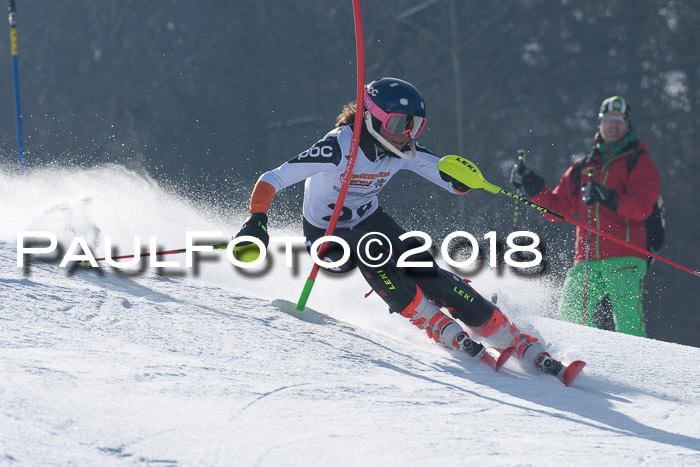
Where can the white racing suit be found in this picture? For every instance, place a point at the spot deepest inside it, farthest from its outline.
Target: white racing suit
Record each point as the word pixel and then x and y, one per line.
pixel 323 167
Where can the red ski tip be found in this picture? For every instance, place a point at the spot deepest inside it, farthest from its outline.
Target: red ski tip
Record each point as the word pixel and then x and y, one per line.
pixel 503 358
pixel 572 372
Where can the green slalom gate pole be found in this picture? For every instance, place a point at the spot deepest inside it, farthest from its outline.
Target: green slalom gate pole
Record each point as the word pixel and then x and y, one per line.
pixel 468 173
pixel 12 18
pixel 347 176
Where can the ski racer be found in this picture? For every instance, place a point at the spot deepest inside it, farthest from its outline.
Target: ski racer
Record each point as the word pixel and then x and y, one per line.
pixel 615 198
pixel 395 116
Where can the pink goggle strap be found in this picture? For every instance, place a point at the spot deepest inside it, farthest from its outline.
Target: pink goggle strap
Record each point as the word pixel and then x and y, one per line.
pixel 383 116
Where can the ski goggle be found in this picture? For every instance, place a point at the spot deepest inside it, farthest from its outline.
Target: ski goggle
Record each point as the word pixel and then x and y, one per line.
pixel 396 123
pixel 613 118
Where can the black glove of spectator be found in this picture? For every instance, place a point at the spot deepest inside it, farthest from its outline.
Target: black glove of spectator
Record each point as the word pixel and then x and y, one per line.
pixel 594 192
pixel 456 184
pixel 528 180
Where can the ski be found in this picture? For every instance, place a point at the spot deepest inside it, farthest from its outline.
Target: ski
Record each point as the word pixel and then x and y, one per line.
pixel 472 348
pixel 571 371
pixel 493 362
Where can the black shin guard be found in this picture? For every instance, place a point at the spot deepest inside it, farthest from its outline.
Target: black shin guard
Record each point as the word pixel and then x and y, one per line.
pixel 456 294
pixel 395 287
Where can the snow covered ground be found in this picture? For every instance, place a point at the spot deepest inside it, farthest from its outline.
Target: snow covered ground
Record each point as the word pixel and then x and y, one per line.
pixel 202 366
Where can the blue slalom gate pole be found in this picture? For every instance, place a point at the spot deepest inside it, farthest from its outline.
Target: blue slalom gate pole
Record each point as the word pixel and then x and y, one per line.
pixel 11 16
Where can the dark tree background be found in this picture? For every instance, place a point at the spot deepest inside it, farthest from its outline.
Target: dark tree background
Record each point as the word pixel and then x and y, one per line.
pixel 209 94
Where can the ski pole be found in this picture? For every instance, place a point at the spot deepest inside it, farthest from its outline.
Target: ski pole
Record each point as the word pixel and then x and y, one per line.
pixel 157 253
pixel 11 16
pixel 143 255
pixel 359 46
pixel 467 172
pixel 522 156
pixel 590 172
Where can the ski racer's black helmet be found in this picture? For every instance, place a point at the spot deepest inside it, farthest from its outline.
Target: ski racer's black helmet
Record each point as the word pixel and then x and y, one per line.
pixel 396 105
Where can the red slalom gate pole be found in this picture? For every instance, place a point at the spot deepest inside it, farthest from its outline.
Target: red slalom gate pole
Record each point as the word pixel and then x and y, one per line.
pixel 347 176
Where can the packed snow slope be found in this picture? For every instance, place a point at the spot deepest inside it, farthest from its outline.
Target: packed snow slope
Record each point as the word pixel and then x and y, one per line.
pixel 203 366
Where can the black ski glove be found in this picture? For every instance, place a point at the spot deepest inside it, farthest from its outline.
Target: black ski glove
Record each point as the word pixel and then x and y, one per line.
pixel 456 184
pixel 594 192
pixel 255 226
pixel 527 179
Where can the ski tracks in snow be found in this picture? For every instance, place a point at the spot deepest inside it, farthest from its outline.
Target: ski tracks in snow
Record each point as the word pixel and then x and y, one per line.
pixel 161 369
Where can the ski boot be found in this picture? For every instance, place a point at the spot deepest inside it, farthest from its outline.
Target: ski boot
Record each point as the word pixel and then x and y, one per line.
pixel 478 351
pixel 446 331
pixel 566 374
pixel 500 332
